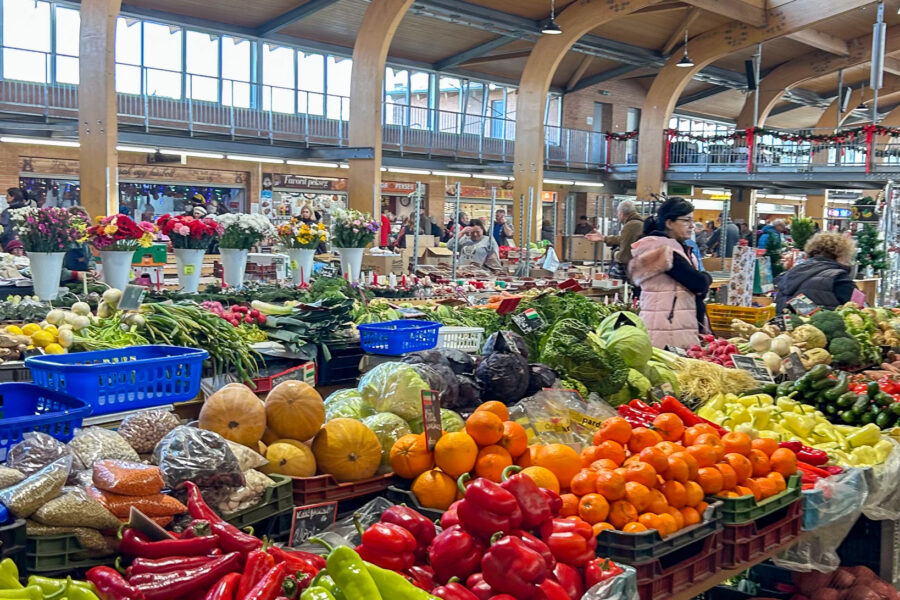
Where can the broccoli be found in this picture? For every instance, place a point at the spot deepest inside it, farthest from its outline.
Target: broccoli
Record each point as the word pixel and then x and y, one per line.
pixel 845 351
pixel 568 349
pixel 830 323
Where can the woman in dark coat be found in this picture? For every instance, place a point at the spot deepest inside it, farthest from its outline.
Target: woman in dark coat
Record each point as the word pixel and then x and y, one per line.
pixel 824 277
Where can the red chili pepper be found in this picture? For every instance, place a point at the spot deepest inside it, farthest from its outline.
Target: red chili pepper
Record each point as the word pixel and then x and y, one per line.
pixel 641 406
pixel 387 545
pixel 306 562
pixel 487 508
pixel 232 539
pixel 184 583
pixel 571 542
pixel 793 446
pixel 813 470
pixel 634 418
pixel 511 567
pixel 454 552
pixel 450 517
pixel 422 577
pixel 269 587
pixel 570 579
pixel 833 470
pixel 535 505
pixel 599 570
pixel 502 597
pixel 291 587
pixel 197 528
pixel 225 588
pixel 259 562
pixel 687 416
pixel 812 456
pixel 197 506
pixel 164 565
pixel 479 587
pixel 111 585
pixel 551 590
pixel 136 544
pixel 416 523
pixel 453 591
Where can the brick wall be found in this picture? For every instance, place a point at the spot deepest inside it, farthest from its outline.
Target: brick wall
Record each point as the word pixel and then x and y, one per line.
pixel 578 111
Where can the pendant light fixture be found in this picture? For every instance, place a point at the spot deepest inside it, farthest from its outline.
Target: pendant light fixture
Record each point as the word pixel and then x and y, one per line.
pixel 551 28
pixel 862 97
pixel 685 61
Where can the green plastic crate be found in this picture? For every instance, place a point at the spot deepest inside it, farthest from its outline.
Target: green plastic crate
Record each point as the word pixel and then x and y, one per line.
pixel 157 252
pixel 277 499
pixel 736 511
pixel 52 553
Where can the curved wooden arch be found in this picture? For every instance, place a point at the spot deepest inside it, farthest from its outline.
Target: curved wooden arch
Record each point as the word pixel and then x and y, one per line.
pixel 366 87
pixel 668 85
pixel 892 119
pixel 829 117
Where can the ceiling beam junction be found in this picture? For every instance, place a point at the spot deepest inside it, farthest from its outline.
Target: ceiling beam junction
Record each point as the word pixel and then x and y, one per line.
pixel 822 41
pixel 292 16
pixel 752 12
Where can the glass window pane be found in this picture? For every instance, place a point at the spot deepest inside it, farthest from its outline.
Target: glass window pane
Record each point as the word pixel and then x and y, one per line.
pixel 278 75
pixel 310 72
pixel 67 70
pixel 128 41
pixel 202 53
pixel 166 84
pixel 419 94
pixel 338 105
pixel 68 27
pixel 235 58
pixel 235 93
pixel 162 46
pixel 128 79
pixel 204 88
pixel 396 90
pixel 25 65
pixel 26 24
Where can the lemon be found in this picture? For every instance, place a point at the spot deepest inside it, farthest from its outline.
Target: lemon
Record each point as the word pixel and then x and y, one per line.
pixel 52 330
pixel 42 339
pixel 31 329
pixel 14 330
pixel 54 349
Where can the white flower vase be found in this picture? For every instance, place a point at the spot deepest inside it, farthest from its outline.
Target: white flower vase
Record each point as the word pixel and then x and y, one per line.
pixel 116 267
pixel 351 263
pixel 189 262
pixel 46 270
pixel 301 264
pixel 234 265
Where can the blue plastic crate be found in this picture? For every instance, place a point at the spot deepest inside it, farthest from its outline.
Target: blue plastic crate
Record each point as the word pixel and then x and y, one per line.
pixel 27 407
pixel 122 379
pixel 394 338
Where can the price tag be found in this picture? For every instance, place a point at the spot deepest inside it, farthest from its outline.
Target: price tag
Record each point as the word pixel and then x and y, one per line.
pixel 793 366
pixel 431 417
pixel 783 322
pixel 663 389
pixel 529 321
pixel 677 351
pixel 755 367
pixel 132 297
pixel 188 269
pixel 510 341
pixel 802 305
pixel 307 521
pixel 294 265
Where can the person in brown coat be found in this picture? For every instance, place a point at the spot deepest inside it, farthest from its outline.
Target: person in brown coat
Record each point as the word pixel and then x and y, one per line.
pixel 632 229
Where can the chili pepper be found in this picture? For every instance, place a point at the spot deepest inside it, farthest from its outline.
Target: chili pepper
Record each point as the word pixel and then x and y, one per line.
pixel 292 557
pixel 450 517
pixel 197 506
pixel 387 545
pixel 454 552
pixel 74 592
pixel 259 562
pixel 511 567
pixel 453 590
pixel 197 528
pixel 269 587
pixel 487 508
pixel 422 576
pixel 232 539
pixel 31 592
pixel 163 565
pixel 599 570
pixel 634 418
pixel 9 575
pixel 534 505
pixel 49 587
pixel 812 456
pixel 324 580
pixel 833 470
pixel 813 470
pixel 225 588
pixel 571 542
pixel 183 583
pixel 134 543
pixel 394 586
pixel 793 446
pixel 551 590
pixel 570 579
pixel 502 597
pixel 479 587
pixel 316 593
pixel 537 545
pixel 349 573
pixel 111 585
pixel 641 406
pixel 416 523
pixel 688 417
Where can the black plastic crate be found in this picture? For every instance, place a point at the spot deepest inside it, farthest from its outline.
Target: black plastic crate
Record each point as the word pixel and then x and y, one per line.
pixel 873 544
pixel 12 545
pixel 276 528
pixel 341 364
pixel 398 495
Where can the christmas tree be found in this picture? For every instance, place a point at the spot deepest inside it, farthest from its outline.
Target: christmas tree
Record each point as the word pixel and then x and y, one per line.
pixel 774 249
pixel 871 251
pixel 801 231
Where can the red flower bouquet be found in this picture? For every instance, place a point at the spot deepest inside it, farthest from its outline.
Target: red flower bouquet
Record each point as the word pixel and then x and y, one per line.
pixel 188 232
pixel 119 232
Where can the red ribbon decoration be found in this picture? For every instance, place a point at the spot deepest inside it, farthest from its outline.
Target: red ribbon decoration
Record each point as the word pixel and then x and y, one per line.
pixel 870 132
pixel 669 136
pixel 751 139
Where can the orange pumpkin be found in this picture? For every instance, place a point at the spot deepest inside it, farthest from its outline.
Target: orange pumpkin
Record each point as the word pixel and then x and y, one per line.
pixel 292 459
pixel 235 413
pixel 410 456
pixel 295 410
pixel 347 449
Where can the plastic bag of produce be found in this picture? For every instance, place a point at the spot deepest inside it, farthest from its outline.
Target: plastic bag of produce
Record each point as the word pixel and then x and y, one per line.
pixel 620 587
pixel 143 430
pixel 155 505
pixel 90 539
pixel 247 458
pixel 36 490
pixel 247 496
pixel 883 500
pixel 75 508
pixel 127 478
pixel 198 455
pixel 343 531
pixel 96 443
pixel 389 428
pixel 10 477
pixel 394 387
pixel 34 452
pixel 560 417
pixel 829 511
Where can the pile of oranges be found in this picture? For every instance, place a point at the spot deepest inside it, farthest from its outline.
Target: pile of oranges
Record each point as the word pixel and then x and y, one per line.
pixel 637 479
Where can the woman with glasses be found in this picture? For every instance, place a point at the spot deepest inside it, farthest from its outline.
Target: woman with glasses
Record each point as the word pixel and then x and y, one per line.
pixel 667 271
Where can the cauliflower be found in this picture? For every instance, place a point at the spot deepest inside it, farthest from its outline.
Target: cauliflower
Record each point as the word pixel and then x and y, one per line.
pixel 815 356
pixel 810 335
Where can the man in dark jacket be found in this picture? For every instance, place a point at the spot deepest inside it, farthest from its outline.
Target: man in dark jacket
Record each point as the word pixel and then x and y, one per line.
pixel 824 277
pixel 632 229
pixel 15 198
pixel 731 236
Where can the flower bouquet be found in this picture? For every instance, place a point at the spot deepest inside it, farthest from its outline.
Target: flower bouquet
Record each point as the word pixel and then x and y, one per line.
pixel 240 232
pixel 301 240
pixel 117 237
pixel 190 239
pixel 352 231
pixel 46 234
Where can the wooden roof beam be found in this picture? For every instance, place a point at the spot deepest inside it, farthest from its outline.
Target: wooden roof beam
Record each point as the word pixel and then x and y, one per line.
pixel 678 34
pixel 473 52
pixel 292 16
pixel 751 12
pixel 496 57
pixel 891 65
pixel 821 41
pixel 579 72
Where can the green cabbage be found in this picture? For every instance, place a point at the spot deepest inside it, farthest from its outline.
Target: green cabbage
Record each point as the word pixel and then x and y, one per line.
pixel 342 394
pixel 394 387
pixel 349 407
pixel 638 384
pixel 659 373
pixel 632 344
pixel 388 427
pixel 450 422
pixel 608 325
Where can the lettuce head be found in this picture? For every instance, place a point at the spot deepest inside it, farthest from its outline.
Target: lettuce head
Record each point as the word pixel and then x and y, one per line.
pixel 608 325
pixel 394 387
pixel 632 344
pixel 388 427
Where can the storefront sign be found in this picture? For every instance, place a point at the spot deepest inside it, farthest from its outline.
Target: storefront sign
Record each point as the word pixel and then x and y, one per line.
pixel 303 182
pixel 141 173
pixel 472 191
pixel 399 188
pixel 839 213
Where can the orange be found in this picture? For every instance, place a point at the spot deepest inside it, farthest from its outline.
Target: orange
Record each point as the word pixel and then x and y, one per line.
pixel 766 487
pixel 676 514
pixel 690 516
pixel 455 453
pixel 569 505
pixel 767 445
pixel 743 491
pixel 616 429
pixel 611 485
pixel 544 478
pixel 514 439
pixel 667 524
pixel 710 479
pixel 642 437
pixel 737 442
pixel 706 456
pixel 701 508
pixel 589 455
pixel 658 502
pixel 729 477
pixel 434 489
pixel 669 426
pixel 778 478
pixel 562 460
pixel 604 464
pixel 601 526
pixel 584 483
pixel 713 440
pixel 491 461
pixel 693 493
pixel 760 463
pixel 691 433
pixel 638 494
pixel 621 513
pixel 642 473
pixel 634 527
pixel 496 407
pixel 649 520
pixel 669 448
pixel 611 450
pixel 728 494
pixel 527 458
pixel 410 456
pixel 690 461
pixel 485 427
pixel 634 458
pixel 754 487
pixel 741 465
pixel 676 470
pixel 593 508
pixel 655 458
pixel 784 461
pixel 675 493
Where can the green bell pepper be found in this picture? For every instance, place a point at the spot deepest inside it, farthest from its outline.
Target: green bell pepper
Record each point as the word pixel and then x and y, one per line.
pixel 394 586
pixel 349 573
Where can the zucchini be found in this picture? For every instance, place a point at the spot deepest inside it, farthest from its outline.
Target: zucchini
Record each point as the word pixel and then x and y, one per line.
pixel 818 372
pixel 860 405
pixel 843 382
pixel 267 308
pixel 846 400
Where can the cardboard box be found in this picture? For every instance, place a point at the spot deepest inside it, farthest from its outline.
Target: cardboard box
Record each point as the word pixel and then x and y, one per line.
pixel 383 264
pixel 714 263
pixel 584 249
pixel 435 256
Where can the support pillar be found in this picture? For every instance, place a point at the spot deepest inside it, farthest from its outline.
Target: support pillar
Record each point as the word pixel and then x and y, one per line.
pixel 743 204
pixel 366 96
pixel 97 107
pixel 815 209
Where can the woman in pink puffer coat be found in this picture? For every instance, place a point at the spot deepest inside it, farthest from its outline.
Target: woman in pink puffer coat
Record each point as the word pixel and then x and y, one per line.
pixel 672 288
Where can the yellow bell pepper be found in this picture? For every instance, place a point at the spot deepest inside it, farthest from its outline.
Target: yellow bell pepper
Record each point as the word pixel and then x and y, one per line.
pixel 883 449
pixel 869 435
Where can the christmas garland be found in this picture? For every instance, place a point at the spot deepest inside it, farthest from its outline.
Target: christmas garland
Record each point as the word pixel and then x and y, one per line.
pixel 841 137
pixel 620 136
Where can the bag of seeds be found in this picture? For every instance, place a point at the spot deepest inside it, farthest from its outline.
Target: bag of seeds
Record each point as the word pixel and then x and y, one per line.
pixel 198 455
pixel 34 452
pixel 10 477
pixel 246 496
pixel 127 478
pixel 143 430
pixel 28 495
pixel 75 509
pixel 97 443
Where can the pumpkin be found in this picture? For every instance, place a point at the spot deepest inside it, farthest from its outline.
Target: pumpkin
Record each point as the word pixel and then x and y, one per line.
pixel 295 410
pixel 294 460
pixel 347 449
pixel 235 413
pixel 269 436
pixel 410 456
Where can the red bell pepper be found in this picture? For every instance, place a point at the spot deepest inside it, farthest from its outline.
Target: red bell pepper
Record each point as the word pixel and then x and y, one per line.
pixel 502 597
pixel 450 516
pixel 187 582
pixel 259 562
pixel 111 585
pixel 269 587
pixel 571 542
pixel 511 567
pixel 599 570
pixel 537 545
pixel 454 552
pixel 479 587
pixel 535 506
pixel 387 545
pixel 225 589
pixel 134 543
pixel 422 577
pixel 554 499
pixel 570 579
pixel 487 508
pixel 551 590
pixel 416 523
pixel 453 590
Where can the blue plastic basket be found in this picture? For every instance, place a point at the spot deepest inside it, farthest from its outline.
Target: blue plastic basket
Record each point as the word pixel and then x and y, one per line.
pixel 27 407
pixel 122 379
pixel 394 338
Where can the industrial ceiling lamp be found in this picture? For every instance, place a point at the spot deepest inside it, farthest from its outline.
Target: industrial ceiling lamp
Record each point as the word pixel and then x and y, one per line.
pixel 685 61
pixel 862 97
pixel 551 28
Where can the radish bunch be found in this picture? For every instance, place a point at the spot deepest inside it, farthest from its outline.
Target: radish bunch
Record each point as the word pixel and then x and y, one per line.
pixel 236 315
pixel 714 350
